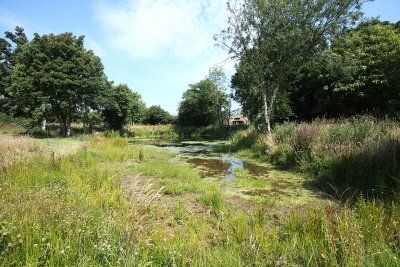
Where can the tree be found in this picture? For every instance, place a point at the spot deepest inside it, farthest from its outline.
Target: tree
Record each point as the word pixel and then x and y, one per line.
pixel 137 109
pixel 275 37
pixel 217 76
pixel 203 104
pixel 246 92
pixel 157 115
pixel 121 106
pixel 360 73
pixel 369 58
pixel 56 75
pixel 8 51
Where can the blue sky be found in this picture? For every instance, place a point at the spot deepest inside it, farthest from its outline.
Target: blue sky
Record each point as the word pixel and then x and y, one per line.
pixel 157 47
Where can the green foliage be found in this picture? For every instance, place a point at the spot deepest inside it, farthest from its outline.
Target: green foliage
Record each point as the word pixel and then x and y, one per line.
pixel 202 133
pixel 156 115
pixel 7 119
pixel 141 155
pixel 283 156
pixel 55 76
pixel 358 74
pixel 359 154
pixel 8 52
pixel 204 104
pixel 122 106
pixel 272 40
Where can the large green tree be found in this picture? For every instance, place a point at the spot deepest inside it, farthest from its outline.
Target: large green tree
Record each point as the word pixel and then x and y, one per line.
pixel 360 73
pixel 156 115
pixel 56 75
pixel 203 104
pixel 223 105
pixel 9 47
pixel 121 106
pixel 275 37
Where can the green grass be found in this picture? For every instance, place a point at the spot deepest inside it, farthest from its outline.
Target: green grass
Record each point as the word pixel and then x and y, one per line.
pixel 356 155
pixel 72 211
pixel 244 178
pixel 176 178
pixel 163 132
pixel 213 199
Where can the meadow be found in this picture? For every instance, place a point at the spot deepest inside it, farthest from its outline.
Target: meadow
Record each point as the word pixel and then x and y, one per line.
pixel 108 202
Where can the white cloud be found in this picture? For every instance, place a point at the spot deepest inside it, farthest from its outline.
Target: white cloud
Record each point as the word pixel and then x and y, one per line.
pixel 170 41
pixel 152 28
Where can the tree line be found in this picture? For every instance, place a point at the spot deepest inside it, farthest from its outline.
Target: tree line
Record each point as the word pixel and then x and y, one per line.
pixel 54 78
pixel 295 60
pixel 299 60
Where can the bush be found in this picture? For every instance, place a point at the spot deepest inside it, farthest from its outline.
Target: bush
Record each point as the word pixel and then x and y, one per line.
pixel 283 156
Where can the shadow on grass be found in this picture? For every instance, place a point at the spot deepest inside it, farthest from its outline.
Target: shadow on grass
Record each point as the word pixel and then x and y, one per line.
pixel 371 172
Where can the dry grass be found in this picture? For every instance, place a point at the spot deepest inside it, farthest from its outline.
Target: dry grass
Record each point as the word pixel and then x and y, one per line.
pixel 16 149
pixel 141 191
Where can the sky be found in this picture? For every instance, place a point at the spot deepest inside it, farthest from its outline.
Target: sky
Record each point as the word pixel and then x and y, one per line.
pixel 157 47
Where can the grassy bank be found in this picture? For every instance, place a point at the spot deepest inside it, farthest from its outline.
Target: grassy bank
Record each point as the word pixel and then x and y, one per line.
pixel 106 205
pixel 360 154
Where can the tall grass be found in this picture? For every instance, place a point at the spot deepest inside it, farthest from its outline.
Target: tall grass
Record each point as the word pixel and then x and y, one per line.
pixel 72 211
pixel 16 149
pixel 360 153
pixel 163 132
pixel 62 211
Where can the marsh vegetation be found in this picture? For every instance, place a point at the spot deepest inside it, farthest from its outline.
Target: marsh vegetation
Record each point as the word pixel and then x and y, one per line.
pixel 114 202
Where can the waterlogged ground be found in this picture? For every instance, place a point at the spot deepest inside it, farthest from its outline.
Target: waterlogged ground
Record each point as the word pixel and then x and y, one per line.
pixel 246 183
pixel 185 204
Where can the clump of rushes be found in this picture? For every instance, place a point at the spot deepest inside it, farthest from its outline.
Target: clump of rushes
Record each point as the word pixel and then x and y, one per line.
pixel 212 200
pixel 141 155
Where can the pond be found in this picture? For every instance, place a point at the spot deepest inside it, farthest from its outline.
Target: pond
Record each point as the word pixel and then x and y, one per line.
pixel 212 158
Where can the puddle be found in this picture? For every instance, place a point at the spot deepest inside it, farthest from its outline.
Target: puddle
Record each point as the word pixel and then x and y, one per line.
pixel 210 167
pixel 218 167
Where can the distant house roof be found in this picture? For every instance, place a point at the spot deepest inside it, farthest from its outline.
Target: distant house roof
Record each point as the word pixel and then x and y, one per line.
pixel 238 119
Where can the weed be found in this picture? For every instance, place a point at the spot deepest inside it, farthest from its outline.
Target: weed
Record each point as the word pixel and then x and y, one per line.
pixel 213 200
pixel 141 155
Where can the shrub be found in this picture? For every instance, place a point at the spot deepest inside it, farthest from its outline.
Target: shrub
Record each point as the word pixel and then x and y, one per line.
pixel 302 141
pixel 141 155
pixel 283 156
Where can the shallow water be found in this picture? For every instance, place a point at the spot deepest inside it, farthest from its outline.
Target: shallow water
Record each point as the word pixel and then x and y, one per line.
pixel 211 163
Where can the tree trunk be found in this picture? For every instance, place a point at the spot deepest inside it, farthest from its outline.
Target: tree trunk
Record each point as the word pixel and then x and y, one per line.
pixel 65 128
pixel 43 126
pixel 266 111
